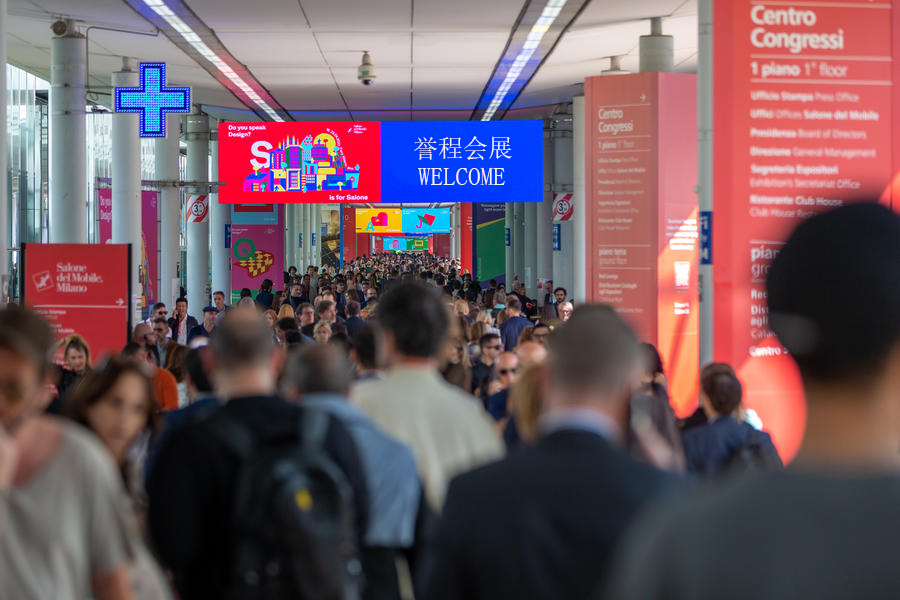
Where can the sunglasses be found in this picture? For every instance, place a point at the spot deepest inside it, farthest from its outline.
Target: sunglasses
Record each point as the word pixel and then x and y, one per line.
pixel 507 371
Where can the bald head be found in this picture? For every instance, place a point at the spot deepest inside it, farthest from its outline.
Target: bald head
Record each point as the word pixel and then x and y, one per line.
pixel 531 353
pixel 596 353
pixel 507 368
pixel 243 339
pixel 140 334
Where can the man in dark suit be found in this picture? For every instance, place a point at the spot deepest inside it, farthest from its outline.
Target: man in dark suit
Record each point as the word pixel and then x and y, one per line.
pixel 181 322
pixel 353 322
pixel 543 523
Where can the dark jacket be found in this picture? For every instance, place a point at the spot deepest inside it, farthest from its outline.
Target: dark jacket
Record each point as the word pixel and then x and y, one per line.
pixel 265 299
pixel 554 517
pixel 198 331
pixel 296 301
pixel 190 323
pixel 191 492
pixel 353 324
pixel 709 449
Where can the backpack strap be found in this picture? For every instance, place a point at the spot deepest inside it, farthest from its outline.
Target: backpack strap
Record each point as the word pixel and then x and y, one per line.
pixel 313 429
pixel 236 436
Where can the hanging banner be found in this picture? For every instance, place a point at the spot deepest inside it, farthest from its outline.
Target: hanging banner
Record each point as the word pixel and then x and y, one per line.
pixel 411 244
pixel 257 254
pixel 254 214
pixel 489 238
pixel 197 208
pixel 81 288
pixel 149 240
pixel 804 96
pixel 331 238
pixel 426 221
pixel 563 207
pixel 378 221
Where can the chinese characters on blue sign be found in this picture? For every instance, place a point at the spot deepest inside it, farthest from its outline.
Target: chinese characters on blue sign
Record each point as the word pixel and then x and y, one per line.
pixel 557 237
pixel 706 237
pixel 152 99
pixel 462 161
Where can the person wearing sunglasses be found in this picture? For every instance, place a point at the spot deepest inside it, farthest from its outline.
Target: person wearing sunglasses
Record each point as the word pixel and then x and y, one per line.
pixel 506 369
pixel 483 367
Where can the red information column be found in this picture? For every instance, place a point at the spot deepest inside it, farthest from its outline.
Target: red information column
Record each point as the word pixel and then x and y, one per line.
pixel 641 152
pixel 81 288
pixel 466 236
pixel 803 122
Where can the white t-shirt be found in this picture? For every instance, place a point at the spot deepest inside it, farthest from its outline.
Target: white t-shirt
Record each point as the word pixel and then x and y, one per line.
pixel 69 522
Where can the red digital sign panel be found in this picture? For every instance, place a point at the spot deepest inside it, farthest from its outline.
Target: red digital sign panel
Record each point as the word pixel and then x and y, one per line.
pixel 803 122
pixel 299 162
pixel 80 288
pixel 641 212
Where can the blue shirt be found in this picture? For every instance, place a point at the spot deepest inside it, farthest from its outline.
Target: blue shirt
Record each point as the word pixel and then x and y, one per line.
pixel 511 330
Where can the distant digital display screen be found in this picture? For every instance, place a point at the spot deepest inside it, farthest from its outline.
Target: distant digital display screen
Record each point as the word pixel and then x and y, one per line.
pixel 404 244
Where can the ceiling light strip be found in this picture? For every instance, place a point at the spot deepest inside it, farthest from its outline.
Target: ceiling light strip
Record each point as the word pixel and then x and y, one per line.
pixel 241 85
pixel 523 54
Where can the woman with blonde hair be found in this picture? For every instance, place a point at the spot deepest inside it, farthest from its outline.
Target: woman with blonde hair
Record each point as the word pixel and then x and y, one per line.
pixel 286 311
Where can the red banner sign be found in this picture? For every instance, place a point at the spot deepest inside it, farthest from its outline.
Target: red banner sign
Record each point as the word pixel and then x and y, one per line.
pixel 299 162
pixel 81 288
pixel 641 149
pixel 803 123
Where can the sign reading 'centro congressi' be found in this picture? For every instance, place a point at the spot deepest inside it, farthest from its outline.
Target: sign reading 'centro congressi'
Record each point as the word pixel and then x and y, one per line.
pixel 370 162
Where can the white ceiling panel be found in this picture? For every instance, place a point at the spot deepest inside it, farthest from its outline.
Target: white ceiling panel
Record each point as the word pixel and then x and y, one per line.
pixel 95 12
pixel 458 48
pixel 387 49
pixel 124 44
pixel 446 78
pixel 258 16
pixel 295 48
pixel 600 12
pixel 466 15
pixel 348 15
pixel 307 97
pixel 299 77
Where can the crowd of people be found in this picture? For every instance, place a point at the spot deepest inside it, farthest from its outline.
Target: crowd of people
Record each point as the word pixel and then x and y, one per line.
pixel 398 429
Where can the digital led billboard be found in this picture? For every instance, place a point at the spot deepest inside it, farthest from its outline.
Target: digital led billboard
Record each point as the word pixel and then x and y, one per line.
pixel 371 162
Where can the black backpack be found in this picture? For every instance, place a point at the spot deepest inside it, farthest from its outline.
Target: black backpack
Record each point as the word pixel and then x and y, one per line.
pixel 751 457
pixel 292 526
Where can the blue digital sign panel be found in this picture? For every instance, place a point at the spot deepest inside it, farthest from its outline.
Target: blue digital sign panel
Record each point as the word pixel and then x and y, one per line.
pixel 462 161
pixel 152 99
pixel 425 221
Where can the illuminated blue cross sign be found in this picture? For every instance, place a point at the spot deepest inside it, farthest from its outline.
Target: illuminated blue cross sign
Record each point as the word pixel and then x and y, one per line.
pixel 152 99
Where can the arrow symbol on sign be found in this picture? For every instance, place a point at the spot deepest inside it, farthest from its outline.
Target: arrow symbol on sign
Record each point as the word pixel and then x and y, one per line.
pixel 120 302
pixel 643 97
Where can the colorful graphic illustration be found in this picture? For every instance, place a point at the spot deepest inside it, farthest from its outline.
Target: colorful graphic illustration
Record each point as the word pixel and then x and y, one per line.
pixel 374 220
pixel 426 221
pixel 314 164
pixel 248 257
pixel 408 244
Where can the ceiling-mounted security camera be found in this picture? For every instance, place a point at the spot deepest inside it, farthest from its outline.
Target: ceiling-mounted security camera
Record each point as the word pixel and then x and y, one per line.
pixel 366 72
pixel 59 27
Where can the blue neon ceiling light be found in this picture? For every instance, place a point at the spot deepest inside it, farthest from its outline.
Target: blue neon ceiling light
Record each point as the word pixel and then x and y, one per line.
pixel 152 99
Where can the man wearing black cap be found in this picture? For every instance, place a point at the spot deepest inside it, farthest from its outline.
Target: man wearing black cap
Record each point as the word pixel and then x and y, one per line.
pixel 826 527
pixel 205 328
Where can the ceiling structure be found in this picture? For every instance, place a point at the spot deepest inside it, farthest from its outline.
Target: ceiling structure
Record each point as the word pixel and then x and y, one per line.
pixel 434 58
